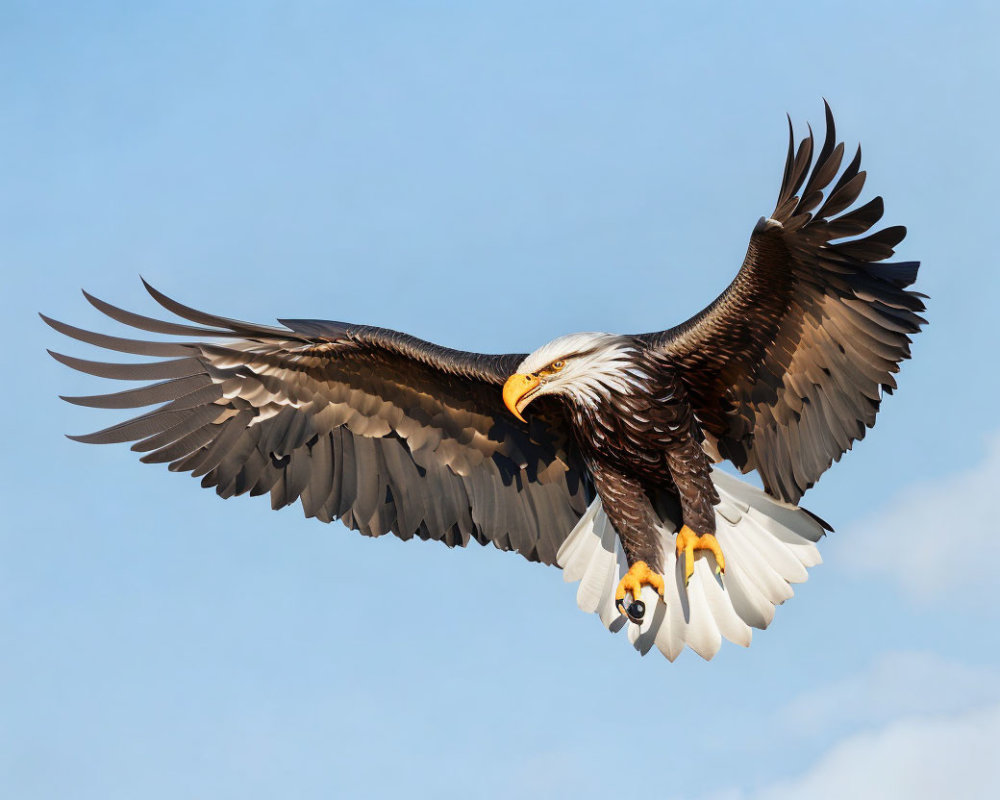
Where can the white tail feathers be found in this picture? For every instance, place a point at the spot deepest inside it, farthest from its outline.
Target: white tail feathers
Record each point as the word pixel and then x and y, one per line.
pixel 768 545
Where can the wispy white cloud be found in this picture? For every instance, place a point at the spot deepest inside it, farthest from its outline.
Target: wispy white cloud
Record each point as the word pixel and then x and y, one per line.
pixel 952 756
pixel 895 685
pixel 936 537
pixel 912 725
pixel 910 759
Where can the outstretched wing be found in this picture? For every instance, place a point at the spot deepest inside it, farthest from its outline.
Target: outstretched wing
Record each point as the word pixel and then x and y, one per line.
pixel 374 427
pixel 786 368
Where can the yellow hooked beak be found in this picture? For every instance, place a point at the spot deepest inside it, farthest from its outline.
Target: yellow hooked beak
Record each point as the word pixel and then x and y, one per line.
pixel 517 387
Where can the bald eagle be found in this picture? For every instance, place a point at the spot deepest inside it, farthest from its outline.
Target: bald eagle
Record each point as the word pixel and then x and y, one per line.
pixel 594 453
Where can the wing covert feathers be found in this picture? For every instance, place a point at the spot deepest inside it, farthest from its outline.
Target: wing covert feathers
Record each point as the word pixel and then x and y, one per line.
pixel 787 368
pixel 379 429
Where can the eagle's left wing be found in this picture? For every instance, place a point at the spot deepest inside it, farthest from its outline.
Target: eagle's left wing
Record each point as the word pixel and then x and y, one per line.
pixel 787 367
pixel 377 428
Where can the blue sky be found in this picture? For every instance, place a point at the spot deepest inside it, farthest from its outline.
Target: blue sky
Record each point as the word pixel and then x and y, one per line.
pixel 487 176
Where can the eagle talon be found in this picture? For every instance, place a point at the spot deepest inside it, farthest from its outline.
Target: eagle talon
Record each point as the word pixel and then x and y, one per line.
pixel 638 575
pixel 688 541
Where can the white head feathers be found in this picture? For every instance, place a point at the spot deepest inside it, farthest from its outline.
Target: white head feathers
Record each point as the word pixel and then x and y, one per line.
pixel 594 365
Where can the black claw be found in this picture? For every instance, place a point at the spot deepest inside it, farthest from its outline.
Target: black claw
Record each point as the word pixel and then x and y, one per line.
pixel 635 612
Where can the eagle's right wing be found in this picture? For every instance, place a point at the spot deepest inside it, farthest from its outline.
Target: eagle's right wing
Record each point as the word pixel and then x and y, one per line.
pixel 381 430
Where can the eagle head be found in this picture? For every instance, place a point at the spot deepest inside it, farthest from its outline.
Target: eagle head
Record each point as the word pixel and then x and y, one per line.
pixel 583 367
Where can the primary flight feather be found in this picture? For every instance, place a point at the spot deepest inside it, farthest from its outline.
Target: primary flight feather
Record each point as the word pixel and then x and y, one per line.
pixel 595 452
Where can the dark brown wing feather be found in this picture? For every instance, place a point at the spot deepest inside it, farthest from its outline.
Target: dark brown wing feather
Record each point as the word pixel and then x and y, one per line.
pixel 381 430
pixel 786 368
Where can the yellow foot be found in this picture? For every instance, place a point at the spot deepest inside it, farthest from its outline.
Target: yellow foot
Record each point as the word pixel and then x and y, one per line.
pixel 688 541
pixel 638 575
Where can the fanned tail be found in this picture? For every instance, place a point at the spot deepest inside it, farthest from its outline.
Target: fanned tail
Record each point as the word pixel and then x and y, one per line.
pixel 768 546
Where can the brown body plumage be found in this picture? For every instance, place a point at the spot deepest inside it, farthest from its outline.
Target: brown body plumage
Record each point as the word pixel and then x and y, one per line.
pixel 641 444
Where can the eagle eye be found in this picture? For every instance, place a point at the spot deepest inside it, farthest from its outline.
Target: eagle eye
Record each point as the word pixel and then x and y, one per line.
pixel 555 366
